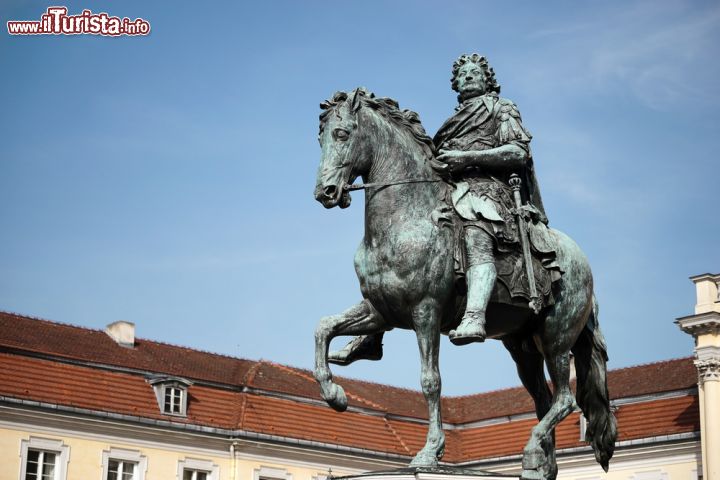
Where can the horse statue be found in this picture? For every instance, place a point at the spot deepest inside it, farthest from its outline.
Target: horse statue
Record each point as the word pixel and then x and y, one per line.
pixel 406 270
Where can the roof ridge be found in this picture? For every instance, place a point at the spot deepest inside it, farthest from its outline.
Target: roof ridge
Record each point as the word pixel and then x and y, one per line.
pixel 647 364
pixel 399 438
pixel 497 390
pixel 141 339
pixel 307 372
pixel 247 378
pixel 294 371
pixel 299 372
pixel 224 355
pixel 640 365
pixel 54 322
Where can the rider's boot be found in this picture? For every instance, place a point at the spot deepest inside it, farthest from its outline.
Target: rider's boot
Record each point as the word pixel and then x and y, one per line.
pixel 362 347
pixel 480 281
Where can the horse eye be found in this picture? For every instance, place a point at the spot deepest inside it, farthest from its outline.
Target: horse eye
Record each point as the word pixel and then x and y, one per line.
pixel 341 134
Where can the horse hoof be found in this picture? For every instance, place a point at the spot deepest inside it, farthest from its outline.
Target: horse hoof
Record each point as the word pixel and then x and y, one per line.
pixel 363 347
pixel 531 475
pixel 428 456
pixel 339 357
pixel 424 461
pixel 335 396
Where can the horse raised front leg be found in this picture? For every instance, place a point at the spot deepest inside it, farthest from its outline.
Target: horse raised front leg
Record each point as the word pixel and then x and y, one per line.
pixel 357 320
pixel 426 318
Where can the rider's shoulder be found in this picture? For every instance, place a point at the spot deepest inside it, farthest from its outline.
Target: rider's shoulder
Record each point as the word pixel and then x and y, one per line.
pixel 505 108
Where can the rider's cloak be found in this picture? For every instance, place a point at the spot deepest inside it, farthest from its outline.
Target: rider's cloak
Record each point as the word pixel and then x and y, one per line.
pixel 480 123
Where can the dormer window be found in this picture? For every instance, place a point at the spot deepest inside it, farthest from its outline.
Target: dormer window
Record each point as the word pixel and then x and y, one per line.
pixel 171 394
pixel 174 400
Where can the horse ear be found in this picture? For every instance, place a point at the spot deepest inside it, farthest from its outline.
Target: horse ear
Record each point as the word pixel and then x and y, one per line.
pixel 356 97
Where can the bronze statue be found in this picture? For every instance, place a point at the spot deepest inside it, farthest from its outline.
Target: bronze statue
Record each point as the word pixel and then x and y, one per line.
pixel 456 242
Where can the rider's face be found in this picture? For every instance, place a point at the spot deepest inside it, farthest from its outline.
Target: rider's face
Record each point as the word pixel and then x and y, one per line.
pixel 470 80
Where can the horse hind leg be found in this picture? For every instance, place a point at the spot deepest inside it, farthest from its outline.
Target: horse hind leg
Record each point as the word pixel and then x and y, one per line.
pixel 359 319
pixel 531 370
pixel 538 456
pixel 554 338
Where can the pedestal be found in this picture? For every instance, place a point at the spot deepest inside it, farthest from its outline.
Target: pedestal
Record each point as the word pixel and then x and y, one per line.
pixel 430 473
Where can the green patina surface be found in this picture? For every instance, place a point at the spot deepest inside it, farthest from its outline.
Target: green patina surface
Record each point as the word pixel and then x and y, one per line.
pixel 456 242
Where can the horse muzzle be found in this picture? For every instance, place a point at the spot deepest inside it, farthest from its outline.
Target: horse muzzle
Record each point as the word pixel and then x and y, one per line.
pixel 332 196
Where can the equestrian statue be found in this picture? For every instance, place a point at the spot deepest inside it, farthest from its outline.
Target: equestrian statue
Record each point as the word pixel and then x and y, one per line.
pixel 457 242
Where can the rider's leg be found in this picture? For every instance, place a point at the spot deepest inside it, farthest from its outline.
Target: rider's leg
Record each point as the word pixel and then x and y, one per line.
pixel 480 277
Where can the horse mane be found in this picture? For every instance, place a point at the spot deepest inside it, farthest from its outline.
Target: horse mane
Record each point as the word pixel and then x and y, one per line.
pixel 387 107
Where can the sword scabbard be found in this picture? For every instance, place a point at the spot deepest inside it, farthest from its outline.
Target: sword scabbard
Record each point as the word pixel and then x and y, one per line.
pixel 535 304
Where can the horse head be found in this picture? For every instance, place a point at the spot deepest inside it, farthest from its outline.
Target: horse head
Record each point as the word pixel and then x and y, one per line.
pixel 343 152
pixel 379 141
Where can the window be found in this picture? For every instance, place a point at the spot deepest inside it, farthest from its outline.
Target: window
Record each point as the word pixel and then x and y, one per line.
pixel 43 459
pixel 121 464
pixel 171 394
pixel 194 475
pixel 121 470
pixel 174 400
pixel 194 469
pixel 40 465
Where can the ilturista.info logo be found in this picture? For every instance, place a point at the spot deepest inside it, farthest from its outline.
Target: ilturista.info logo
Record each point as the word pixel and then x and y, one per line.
pixel 56 21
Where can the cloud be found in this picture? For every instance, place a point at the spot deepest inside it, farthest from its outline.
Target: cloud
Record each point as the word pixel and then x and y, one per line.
pixel 665 64
pixel 663 53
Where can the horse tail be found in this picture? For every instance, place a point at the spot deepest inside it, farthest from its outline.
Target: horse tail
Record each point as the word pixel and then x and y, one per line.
pixel 591 357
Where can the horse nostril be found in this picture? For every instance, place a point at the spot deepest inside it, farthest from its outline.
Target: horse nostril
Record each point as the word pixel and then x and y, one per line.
pixel 330 191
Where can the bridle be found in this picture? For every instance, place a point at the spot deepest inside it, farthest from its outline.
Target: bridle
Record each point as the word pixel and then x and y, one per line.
pixel 363 186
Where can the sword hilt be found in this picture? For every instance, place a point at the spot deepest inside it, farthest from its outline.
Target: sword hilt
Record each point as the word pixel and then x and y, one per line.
pixel 515 182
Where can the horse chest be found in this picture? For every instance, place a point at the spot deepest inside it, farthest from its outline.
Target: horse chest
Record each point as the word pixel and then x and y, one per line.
pixel 392 268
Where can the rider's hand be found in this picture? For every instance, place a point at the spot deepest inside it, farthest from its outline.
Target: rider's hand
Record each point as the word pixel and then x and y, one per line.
pixel 440 167
pixel 454 159
pixel 529 213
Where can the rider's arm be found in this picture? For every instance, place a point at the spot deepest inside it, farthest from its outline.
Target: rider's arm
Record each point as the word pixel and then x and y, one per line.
pixel 510 156
pixel 512 152
pixel 504 156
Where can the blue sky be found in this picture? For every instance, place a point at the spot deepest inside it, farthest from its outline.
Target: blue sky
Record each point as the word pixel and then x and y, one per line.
pixel 167 180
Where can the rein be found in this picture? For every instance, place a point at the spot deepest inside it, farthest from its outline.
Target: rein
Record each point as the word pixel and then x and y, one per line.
pixel 363 186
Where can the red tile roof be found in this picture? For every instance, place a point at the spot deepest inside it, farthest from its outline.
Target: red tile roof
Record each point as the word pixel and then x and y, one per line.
pixel 57 363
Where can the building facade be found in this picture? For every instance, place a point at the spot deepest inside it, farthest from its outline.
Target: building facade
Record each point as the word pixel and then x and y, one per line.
pixel 83 404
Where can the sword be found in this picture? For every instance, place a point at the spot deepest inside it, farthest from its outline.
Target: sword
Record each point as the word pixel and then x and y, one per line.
pixel 535 303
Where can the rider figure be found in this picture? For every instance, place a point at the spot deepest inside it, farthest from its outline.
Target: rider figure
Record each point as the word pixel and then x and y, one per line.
pixel 479 147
